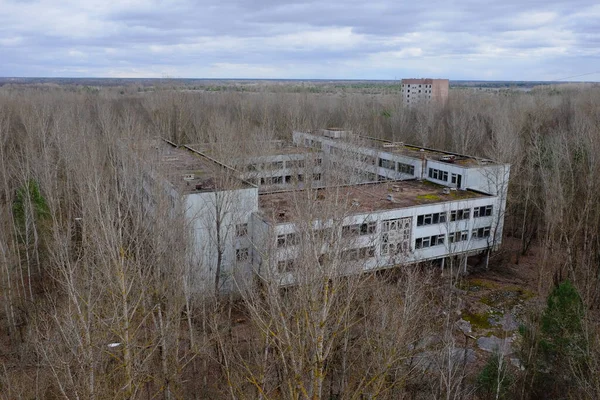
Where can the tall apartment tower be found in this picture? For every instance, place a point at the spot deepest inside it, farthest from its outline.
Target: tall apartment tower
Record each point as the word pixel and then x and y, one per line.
pixel 424 90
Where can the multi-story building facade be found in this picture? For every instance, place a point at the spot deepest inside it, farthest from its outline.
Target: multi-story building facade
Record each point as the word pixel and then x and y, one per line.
pixel 216 205
pixel 270 165
pixel 393 204
pixel 424 90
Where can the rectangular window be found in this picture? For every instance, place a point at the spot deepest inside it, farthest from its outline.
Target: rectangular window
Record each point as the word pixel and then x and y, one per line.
pixel 437 240
pixel 294 164
pixel 393 249
pixel 388 164
pixel 316 177
pixel 360 253
pixel 371 251
pixel 429 241
pixel 438 174
pixel 431 219
pixel 427 220
pixel 406 169
pixel 348 255
pixel 241 254
pixel 459 215
pixel 290 239
pixel 281 241
pixel 368 228
pixel 350 230
pixel 483 211
pixel 481 233
pixel 241 230
pixel 459 236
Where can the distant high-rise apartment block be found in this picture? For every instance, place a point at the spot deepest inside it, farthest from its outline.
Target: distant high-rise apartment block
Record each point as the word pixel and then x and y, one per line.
pixel 424 90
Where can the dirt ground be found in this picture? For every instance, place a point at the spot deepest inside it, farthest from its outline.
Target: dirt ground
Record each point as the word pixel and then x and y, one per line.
pixel 496 300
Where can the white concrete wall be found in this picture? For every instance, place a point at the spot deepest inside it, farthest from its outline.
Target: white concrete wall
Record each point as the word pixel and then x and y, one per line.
pixel 471 245
pixel 233 207
pixel 327 144
pixel 311 167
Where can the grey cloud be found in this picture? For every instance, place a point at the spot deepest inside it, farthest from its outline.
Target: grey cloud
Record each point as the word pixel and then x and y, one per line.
pixel 310 37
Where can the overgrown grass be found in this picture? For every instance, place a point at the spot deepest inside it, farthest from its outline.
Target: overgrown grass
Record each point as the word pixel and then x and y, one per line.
pixel 477 321
pixel 429 197
pixel 475 285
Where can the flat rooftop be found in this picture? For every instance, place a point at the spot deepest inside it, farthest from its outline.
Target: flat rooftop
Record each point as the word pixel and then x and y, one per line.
pixel 245 149
pixel 281 207
pixel 187 171
pixel 410 150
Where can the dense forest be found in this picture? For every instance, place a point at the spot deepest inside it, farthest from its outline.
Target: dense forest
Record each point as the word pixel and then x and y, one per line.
pixel 96 303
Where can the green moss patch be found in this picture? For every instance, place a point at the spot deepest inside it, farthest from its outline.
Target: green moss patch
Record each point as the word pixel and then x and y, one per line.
pixel 429 197
pixel 478 321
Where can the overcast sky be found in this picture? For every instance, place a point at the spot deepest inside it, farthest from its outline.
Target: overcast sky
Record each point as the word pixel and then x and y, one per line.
pixel 381 39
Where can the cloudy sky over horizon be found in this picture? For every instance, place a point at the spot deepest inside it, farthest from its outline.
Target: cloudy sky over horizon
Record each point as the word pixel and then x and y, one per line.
pixel 380 39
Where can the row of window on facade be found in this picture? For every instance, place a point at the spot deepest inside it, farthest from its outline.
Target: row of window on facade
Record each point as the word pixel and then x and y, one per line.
pixel 369 228
pixel 354 230
pixel 453 237
pixel 443 176
pixel 401 246
pixel 415 85
pixel 400 224
pixel 312 143
pixel 351 174
pixel 390 249
pixel 359 253
pixel 274 165
pixel 397 166
pixel 292 239
pixel 280 180
pixel 349 155
pixel 408 91
pixel 455 215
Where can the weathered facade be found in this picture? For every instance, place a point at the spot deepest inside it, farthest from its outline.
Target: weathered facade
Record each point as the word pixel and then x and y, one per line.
pixel 424 90
pixel 398 204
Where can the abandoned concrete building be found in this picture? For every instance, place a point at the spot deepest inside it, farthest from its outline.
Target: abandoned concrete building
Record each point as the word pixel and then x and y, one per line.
pixel 424 91
pixel 401 204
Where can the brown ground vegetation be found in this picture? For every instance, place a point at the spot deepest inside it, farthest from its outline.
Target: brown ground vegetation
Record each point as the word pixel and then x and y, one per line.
pixel 94 299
